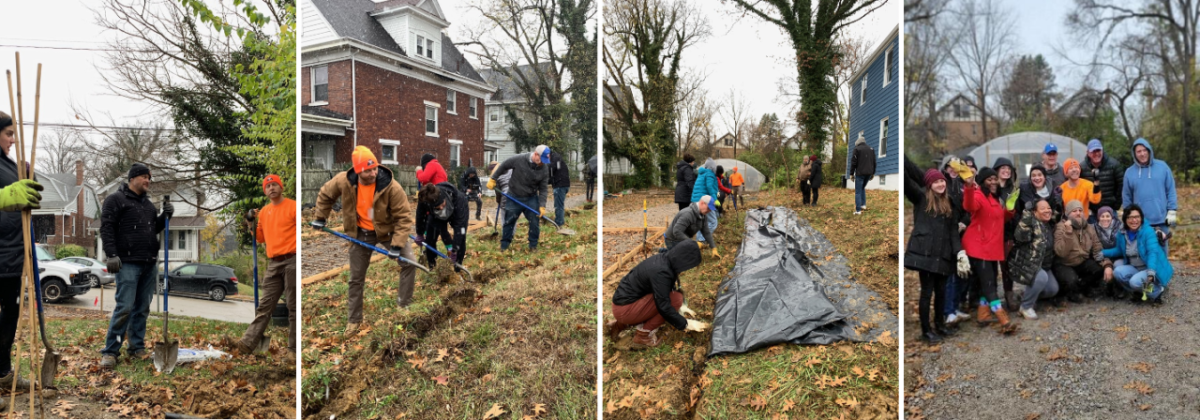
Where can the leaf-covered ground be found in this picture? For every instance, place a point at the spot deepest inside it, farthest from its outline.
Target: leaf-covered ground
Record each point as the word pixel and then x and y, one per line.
pixel 246 386
pixel 521 342
pixel 787 381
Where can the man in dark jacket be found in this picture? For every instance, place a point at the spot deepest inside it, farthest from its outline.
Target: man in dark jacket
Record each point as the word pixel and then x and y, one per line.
pixel 815 178
pixel 1054 172
pixel 649 296
pixel 560 179
pixel 590 177
pixel 470 187
pixel 443 212
pixel 129 228
pixel 692 219
pixel 862 166
pixel 1105 172
pixel 685 180
pixel 16 195
pixel 527 184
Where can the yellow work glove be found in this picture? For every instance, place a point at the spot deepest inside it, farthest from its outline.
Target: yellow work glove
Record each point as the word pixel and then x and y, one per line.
pixel 543 211
pixel 715 254
pixel 491 184
pixel 1011 203
pixel 963 170
pixel 717 203
pixel 701 245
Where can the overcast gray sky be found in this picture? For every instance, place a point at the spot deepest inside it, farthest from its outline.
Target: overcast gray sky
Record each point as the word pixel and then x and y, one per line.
pixel 752 56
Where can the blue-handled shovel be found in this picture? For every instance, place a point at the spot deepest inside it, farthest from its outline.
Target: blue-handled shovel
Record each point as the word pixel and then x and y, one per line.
pixel 374 248
pixel 561 230
pixel 166 353
pixel 470 277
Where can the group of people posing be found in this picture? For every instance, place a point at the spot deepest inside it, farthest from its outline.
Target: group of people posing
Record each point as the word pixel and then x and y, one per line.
pixel 1065 233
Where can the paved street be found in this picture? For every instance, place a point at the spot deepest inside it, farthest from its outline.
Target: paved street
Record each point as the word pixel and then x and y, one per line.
pixel 233 311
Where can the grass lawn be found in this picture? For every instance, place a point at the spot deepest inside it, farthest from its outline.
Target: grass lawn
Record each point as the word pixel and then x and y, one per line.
pixel 521 342
pixel 855 380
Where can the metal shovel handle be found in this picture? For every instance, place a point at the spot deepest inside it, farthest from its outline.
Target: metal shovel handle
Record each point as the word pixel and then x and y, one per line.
pixel 374 248
pixel 440 254
pixel 548 219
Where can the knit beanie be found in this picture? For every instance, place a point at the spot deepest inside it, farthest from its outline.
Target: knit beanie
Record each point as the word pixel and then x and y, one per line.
pixel 933 175
pixel 139 169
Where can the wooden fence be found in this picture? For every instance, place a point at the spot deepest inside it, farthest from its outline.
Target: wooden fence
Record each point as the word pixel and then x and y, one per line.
pixel 311 180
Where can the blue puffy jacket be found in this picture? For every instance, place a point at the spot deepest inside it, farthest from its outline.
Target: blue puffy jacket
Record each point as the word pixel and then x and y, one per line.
pixel 1150 186
pixel 1149 250
pixel 706 184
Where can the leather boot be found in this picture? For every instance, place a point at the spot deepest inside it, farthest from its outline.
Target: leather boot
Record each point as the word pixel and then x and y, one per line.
pixel 984 316
pixel 1003 316
pixel 939 326
pixel 615 328
pixel 645 339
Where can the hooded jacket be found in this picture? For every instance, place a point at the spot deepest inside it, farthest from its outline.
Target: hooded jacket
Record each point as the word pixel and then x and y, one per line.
pixel 1074 246
pixel 1108 175
pixel 706 181
pixel 1029 195
pixel 984 238
pixel 470 184
pixel 1033 249
pixel 527 178
pixel 862 161
pixel 659 276
pixel 805 171
pixel 392 211
pixel 431 172
pixel 686 223
pixel 1151 186
pixel 12 242
pixel 1007 190
pixel 560 175
pixel 129 226
pixel 1149 250
pixel 934 243
pixel 685 180
pixel 460 215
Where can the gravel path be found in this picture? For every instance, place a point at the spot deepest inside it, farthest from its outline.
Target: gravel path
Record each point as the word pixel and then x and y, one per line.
pixel 655 216
pixel 1103 359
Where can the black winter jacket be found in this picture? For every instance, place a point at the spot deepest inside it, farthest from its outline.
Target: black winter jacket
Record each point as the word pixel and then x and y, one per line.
pixel 935 242
pixel 460 215
pixel 469 185
pixel 817 176
pixel 560 174
pixel 685 180
pixel 129 226
pixel 1110 177
pixel 659 276
pixel 12 242
pixel 1033 249
pixel 862 162
pixel 1028 195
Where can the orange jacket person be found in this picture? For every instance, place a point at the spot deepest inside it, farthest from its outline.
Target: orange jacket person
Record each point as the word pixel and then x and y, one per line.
pixel 276 228
pixel 736 181
pixel 1075 188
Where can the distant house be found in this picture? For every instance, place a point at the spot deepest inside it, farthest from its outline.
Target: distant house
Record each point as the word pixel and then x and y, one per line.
pixel 68 208
pixel 724 147
pixel 384 75
pixel 186 223
pixel 875 111
pixel 497 144
pixel 961 123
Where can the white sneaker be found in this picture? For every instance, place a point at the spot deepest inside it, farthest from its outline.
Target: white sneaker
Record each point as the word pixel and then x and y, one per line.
pixel 962 316
pixel 1029 313
pixel 857 213
pixel 952 319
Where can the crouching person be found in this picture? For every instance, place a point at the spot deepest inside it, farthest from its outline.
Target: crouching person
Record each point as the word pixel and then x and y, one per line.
pixel 649 296
pixel 1033 256
pixel 1146 270
pixel 1081 263
pixel 690 221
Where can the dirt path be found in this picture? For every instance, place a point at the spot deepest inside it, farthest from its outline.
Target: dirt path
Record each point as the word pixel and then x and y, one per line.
pixel 1097 360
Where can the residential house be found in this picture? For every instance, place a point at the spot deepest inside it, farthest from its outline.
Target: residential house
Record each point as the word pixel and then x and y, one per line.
pixel 724 147
pixel 497 144
pixel 385 76
pixel 68 207
pixel 961 123
pixel 875 112
pixel 186 223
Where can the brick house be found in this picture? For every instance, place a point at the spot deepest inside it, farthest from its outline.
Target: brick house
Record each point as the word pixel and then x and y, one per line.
pixel 68 207
pixel 961 123
pixel 384 75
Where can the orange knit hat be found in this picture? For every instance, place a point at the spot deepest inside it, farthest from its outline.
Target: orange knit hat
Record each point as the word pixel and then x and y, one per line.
pixel 363 159
pixel 271 178
pixel 1070 163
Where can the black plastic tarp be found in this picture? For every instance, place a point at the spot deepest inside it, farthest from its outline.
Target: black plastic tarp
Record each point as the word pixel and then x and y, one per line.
pixel 784 289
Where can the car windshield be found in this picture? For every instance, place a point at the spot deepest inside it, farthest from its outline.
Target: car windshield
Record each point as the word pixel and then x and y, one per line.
pixel 42 255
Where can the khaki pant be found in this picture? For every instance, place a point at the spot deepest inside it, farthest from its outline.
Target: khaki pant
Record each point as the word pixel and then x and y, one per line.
pixel 360 259
pixel 280 279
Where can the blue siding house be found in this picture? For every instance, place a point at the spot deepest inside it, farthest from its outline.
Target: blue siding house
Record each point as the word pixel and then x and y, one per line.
pixel 875 112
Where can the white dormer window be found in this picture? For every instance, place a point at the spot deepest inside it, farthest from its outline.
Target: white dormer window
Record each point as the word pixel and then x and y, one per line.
pixel 425 46
pixel 887 67
pixel 862 97
pixel 451 106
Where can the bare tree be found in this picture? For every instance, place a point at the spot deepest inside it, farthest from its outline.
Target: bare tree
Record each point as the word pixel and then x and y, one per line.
pixel 696 113
pixel 851 59
pixel 62 147
pixel 921 10
pixel 735 117
pixel 985 33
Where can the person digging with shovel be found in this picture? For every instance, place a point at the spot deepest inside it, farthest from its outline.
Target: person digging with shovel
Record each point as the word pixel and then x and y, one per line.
pixel 129 228
pixel 649 296
pixel 375 210
pixel 274 226
pixel 443 212
pixel 15 195
pixel 528 184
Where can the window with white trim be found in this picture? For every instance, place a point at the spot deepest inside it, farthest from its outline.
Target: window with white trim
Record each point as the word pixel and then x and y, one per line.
pixel 474 107
pixel 495 115
pixel 179 240
pixel 862 97
pixel 320 84
pixel 887 67
pixel 420 46
pixel 424 46
pixel 431 120
pixel 455 153
pixel 883 134
pixel 388 151
pixel 451 107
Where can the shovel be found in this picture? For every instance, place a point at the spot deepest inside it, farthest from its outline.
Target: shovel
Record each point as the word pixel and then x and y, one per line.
pixel 166 353
pixel 470 277
pixel 496 223
pixel 264 343
pixel 51 359
pixel 561 230
pixel 375 248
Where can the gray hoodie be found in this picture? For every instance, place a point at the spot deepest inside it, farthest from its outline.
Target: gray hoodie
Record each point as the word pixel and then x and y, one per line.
pixel 686 223
pixel 527 179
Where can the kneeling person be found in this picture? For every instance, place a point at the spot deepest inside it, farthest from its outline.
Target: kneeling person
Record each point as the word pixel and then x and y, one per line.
pixel 690 220
pixel 649 296
pixel 1147 269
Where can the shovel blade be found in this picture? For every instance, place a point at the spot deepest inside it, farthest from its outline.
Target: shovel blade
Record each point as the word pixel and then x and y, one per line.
pixel 264 345
pixel 166 355
pixel 50 362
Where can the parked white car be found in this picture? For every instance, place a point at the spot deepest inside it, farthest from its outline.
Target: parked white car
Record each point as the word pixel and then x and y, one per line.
pixel 99 275
pixel 61 280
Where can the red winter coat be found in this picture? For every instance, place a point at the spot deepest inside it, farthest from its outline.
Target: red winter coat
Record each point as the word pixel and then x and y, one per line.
pixel 432 173
pixel 984 238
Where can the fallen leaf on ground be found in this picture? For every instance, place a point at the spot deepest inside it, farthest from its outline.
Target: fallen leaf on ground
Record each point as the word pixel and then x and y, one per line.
pixel 494 413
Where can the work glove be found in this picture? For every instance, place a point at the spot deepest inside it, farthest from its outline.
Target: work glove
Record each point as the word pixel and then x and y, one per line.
pixel 715 254
pixel 700 245
pixel 114 264
pixel 717 203
pixel 1171 217
pixel 251 215
pixel 420 240
pixel 21 195
pixel 961 227
pixel 318 224
pixel 453 256
pixel 168 210
pixel 1011 203
pixel 491 184
pixel 686 311
pixel 1162 236
pixel 964 265
pixel 543 211
pixel 697 326
pixel 963 170
pixel 395 252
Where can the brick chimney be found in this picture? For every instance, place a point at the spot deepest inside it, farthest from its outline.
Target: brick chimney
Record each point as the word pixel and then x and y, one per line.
pixel 78 172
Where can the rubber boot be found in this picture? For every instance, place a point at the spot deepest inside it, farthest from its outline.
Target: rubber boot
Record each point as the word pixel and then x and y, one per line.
pixel 645 339
pixel 984 316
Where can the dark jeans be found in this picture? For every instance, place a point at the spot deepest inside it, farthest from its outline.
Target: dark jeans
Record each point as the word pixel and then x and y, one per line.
pixel 478 204
pixel 935 285
pixel 860 191
pixel 512 212
pixel 560 204
pixel 1074 280
pixel 955 289
pixel 10 313
pixel 805 191
pixel 135 288
pixel 441 229
pixel 683 205
pixel 591 189
pixel 984 275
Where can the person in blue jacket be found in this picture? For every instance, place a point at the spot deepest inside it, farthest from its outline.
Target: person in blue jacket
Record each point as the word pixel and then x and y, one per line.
pixel 1146 271
pixel 1150 184
pixel 706 184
